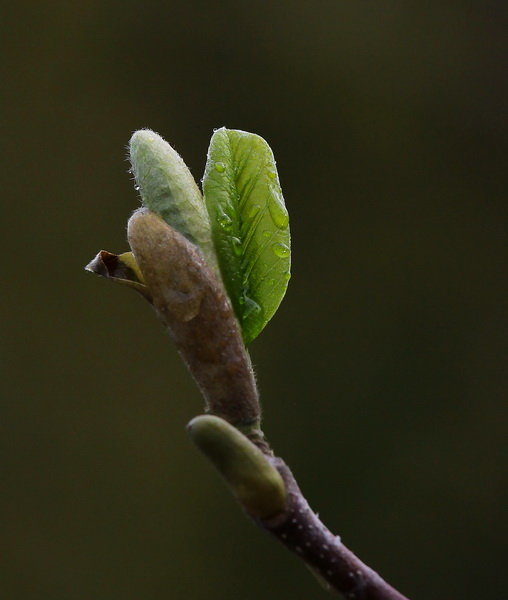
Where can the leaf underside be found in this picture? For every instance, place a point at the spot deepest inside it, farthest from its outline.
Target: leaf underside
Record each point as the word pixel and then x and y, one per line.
pixel 250 225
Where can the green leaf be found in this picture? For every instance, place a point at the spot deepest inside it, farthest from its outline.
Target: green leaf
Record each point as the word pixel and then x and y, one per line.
pixel 250 225
pixel 168 189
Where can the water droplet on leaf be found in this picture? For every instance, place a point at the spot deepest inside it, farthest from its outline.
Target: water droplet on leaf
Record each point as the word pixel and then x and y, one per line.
pixel 237 246
pixel 280 250
pixel 251 308
pixel 224 221
pixel 253 211
pixel 278 211
pixel 220 167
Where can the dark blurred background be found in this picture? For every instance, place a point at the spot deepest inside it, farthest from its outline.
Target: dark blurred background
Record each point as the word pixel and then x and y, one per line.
pixel 384 374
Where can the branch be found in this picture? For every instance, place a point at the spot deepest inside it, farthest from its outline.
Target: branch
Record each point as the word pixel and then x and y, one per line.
pixel 190 300
pixel 269 494
pixel 302 532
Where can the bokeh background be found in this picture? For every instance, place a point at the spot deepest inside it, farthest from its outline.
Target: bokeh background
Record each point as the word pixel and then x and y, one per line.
pixel 384 374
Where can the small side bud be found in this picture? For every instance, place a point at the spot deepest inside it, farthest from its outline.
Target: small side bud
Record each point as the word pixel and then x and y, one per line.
pixel 253 480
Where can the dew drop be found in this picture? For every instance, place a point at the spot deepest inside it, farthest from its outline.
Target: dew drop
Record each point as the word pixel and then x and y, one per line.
pixel 253 211
pixel 280 250
pixel 272 174
pixel 224 222
pixel 251 308
pixel 277 210
pixel 137 188
pixel 267 233
pixel 220 167
pixel 237 246
pixel 287 276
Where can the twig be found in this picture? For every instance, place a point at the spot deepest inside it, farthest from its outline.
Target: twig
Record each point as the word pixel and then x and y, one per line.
pixel 189 298
pixel 302 532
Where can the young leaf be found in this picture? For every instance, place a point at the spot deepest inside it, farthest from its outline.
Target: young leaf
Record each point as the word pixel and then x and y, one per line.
pixel 250 225
pixel 168 189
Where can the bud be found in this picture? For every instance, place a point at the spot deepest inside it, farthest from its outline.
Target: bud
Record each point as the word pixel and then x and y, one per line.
pixel 168 189
pixel 254 481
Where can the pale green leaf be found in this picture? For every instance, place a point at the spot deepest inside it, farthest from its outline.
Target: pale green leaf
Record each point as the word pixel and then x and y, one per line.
pixel 168 189
pixel 250 225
